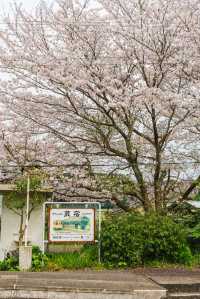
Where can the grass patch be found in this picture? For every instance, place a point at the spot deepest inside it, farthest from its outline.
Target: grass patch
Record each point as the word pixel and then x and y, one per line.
pixel 86 258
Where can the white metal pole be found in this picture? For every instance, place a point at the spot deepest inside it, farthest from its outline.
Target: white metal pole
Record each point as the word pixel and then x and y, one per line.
pixel 99 233
pixel 44 222
pixel 27 210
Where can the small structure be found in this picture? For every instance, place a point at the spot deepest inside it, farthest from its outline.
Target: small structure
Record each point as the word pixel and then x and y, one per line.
pixel 194 203
pixel 10 222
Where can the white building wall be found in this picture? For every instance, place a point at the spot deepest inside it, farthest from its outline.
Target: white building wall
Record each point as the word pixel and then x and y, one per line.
pixel 10 228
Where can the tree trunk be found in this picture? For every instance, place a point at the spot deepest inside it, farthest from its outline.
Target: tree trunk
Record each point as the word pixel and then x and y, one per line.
pixel 147 206
pixel 120 204
pixel 193 185
pixel 21 229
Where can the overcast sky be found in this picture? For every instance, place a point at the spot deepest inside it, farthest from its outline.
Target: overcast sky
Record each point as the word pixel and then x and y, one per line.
pixel 28 4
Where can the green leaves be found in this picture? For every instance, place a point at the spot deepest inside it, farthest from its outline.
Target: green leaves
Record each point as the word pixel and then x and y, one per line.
pixel 9 264
pixel 85 258
pixel 16 200
pixel 39 260
pixel 35 183
pixel 134 240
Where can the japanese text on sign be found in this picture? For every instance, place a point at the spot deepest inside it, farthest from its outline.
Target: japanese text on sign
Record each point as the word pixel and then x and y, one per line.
pixel 71 225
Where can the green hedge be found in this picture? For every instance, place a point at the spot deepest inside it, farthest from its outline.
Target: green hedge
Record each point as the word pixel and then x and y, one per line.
pixel 135 240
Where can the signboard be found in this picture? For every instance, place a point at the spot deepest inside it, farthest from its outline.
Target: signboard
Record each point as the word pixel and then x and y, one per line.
pixel 71 225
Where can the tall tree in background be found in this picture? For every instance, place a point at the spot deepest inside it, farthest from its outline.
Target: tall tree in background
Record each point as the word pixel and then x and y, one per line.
pixel 112 84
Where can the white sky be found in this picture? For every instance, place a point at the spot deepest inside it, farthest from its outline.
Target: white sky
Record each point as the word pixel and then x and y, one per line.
pixel 28 4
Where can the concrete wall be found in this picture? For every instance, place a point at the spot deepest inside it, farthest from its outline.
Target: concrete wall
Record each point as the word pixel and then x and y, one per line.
pixel 10 227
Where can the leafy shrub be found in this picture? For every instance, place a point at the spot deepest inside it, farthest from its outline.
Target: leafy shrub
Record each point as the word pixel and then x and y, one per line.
pixel 120 241
pixel 194 238
pixel 135 239
pixel 9 264
pixel 165 240
pixel 185 214
pixel 39 260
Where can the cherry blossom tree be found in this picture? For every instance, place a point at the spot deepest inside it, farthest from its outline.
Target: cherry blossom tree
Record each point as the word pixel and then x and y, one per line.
pixel 110 83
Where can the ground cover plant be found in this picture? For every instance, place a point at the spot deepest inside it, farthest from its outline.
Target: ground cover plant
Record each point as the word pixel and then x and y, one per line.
pixel 87 257
pixel 11 262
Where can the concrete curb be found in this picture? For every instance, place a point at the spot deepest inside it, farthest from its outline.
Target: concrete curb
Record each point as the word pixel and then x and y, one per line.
pixel 81 294
pixel 75 285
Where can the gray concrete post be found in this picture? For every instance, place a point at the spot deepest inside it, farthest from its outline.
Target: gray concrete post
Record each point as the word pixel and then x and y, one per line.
pixel 25 258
